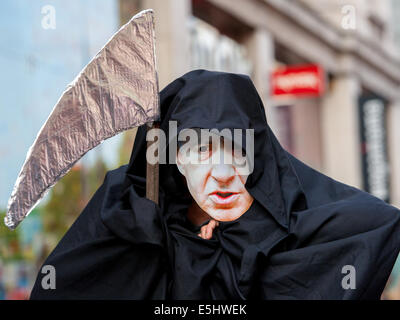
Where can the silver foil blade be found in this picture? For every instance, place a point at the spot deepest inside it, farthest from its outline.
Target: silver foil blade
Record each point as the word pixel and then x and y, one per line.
pixel 116 91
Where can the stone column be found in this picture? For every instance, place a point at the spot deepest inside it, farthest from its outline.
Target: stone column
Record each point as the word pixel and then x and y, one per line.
pixel 306 122
pixel 172 37
pixel 260 47
pixel 340 130
pixel 393 144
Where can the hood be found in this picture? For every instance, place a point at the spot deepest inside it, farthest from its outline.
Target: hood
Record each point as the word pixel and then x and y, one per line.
pixel 220 100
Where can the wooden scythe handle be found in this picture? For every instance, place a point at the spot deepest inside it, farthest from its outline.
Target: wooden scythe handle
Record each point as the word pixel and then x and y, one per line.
pixel 152 170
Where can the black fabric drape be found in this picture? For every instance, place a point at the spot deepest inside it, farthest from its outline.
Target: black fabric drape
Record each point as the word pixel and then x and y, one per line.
pixel 292 243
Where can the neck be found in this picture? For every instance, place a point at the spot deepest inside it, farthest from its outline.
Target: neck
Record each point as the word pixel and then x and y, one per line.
pixel 196 215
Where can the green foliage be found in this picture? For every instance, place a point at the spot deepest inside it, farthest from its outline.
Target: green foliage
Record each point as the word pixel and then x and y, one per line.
pixel 9 242
pixel 64 204
pixel 69 197
pixel 125 149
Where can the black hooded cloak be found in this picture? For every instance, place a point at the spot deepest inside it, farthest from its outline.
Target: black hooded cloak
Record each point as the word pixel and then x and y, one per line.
pixel 301 230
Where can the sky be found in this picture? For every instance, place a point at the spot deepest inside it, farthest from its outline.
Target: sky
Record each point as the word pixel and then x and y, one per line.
pixel 41 51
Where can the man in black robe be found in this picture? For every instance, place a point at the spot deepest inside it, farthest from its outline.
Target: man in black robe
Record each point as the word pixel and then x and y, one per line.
pixel 299 238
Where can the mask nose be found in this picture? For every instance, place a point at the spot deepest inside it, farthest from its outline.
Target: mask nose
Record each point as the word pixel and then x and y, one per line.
pixel 223 173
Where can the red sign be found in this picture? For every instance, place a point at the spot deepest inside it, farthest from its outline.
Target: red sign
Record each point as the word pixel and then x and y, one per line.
pixel 304 80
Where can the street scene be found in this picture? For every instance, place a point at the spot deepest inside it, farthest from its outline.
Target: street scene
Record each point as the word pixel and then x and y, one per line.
pixel 327 72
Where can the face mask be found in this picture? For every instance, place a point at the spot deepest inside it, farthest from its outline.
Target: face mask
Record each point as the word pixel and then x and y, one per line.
pixel 214 175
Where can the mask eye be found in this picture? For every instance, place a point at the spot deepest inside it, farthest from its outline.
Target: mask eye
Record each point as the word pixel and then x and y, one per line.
pixel 204 148
pixel 204 151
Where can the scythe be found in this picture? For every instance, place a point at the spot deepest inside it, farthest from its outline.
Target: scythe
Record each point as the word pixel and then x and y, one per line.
pixel 116 91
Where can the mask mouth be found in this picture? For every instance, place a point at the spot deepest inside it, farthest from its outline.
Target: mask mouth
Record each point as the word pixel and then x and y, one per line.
pixel 223 197
pixel 223 194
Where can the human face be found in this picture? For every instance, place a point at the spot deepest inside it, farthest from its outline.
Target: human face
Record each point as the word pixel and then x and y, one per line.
pixel 217 185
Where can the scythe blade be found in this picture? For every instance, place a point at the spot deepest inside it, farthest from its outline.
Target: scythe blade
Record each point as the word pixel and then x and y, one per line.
pixel 116 91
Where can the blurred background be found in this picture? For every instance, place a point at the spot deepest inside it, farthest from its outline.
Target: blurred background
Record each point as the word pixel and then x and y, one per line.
pixel 328 72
